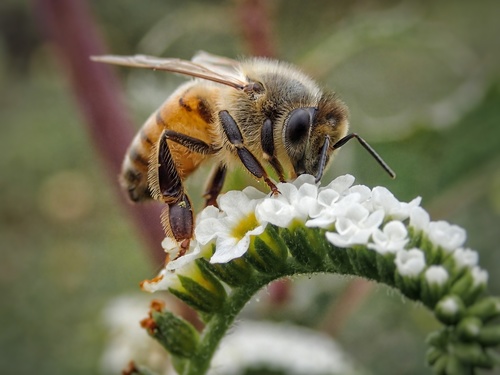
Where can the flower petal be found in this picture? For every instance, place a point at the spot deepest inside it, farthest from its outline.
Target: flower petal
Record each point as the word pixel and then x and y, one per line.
pixel 410 262
pixel 448 236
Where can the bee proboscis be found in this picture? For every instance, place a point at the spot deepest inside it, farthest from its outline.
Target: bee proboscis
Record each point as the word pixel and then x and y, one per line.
pixel 258 112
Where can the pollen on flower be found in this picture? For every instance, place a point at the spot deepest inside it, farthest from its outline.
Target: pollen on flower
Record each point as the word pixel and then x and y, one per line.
pixel 146 284
pixel 230 226
pixel 163 281
pixel 245 225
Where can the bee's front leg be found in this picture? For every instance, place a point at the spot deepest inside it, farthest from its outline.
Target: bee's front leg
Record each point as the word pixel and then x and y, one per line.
pixel 267 142
pixel 251 163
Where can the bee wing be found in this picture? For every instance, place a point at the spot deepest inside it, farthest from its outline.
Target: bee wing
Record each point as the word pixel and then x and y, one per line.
pixel 202 70
pixel 209 59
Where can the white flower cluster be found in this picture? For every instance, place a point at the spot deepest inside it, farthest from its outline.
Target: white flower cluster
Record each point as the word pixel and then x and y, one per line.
pixel 350 215
pixel 281 347
pixel 127 340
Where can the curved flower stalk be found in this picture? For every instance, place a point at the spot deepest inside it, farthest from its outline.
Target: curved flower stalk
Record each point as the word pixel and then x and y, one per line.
pixel 253 239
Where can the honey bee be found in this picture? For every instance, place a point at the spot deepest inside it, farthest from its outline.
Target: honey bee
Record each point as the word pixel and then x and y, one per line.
pixel 257 112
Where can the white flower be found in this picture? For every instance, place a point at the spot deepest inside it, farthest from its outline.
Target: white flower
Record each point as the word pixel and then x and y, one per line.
pixel 232 230
pixel 436 275
pixel 304 179
pixel 465 258
pixel 410 262
pixel 479 276
pixel 340 184
pixel 392 238
pixel 127 340
pixel 355 226
pixel 294 202
pixel 384 199
pixel 166 279
pixel 321 211
pixel 282 347
pixel 172 247
pixel 194 252
pixel 363 195
pixel 448 236
pixel 251 193
pixel 449 305
pixel 352 215
pixel 329 206
pixel 419 219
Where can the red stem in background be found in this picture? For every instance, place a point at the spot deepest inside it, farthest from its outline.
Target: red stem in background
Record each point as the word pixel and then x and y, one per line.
pixel 256 25
pixel 69 26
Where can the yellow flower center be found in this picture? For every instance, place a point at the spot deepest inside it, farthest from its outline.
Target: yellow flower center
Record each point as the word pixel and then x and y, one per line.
pixel 245 225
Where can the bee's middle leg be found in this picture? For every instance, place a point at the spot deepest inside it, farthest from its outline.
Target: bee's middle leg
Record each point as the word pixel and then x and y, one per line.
pixel 214 185
pixel 218 175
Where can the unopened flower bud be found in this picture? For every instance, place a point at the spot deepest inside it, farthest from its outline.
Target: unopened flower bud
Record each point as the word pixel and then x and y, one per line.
pixel 469 328
pixel 200 289
pixel 177 335
pixel 485 309
pixel 489 335
pixel 472 354
pixel 267 252
pixel 449 309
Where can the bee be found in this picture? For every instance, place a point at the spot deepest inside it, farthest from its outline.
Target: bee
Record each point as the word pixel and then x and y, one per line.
pixel 259 113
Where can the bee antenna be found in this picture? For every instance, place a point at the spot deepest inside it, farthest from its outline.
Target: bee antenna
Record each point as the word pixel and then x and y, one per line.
pixel 368 148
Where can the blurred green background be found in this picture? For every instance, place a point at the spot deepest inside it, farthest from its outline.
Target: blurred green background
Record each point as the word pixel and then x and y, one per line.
pixel 421 78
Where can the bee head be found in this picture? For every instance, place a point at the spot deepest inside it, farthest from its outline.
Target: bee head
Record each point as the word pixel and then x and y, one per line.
pixel 310 132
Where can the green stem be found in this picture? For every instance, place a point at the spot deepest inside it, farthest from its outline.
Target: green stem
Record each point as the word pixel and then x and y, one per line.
pixel 220 322
pixel 461 346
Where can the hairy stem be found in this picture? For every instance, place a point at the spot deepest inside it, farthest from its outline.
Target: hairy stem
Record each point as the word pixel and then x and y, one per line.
pixel 219 323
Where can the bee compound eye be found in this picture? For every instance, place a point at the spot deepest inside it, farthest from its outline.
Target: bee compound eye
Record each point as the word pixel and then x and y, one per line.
pixel 298 124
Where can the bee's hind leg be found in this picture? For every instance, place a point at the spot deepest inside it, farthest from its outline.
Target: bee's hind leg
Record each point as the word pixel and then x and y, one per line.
pixel 167 186
pixel 178 223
